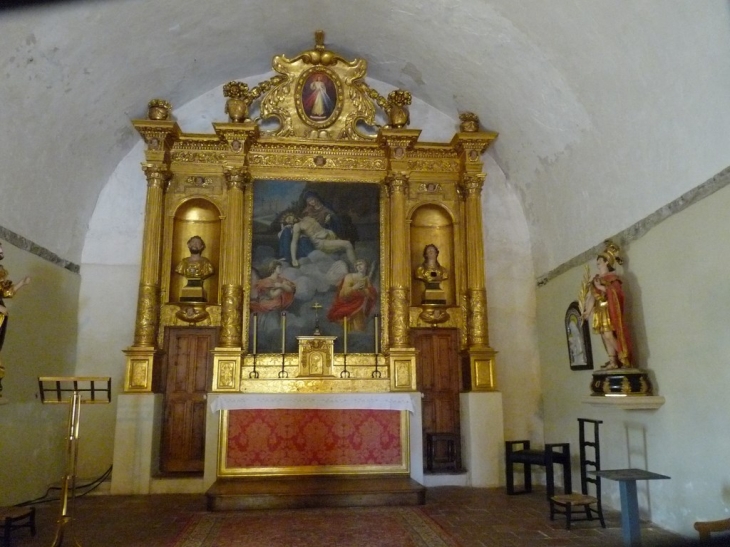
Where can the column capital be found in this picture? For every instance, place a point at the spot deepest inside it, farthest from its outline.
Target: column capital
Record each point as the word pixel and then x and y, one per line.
pixel 472 183
pixel 237 177
pixel 157 175
pixel 397 182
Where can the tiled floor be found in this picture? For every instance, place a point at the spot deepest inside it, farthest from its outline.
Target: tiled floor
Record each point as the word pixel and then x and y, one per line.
pixel 475 517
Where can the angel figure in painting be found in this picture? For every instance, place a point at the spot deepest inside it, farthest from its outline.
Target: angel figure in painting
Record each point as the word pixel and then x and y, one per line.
pixel 7 290
pixel 355 297
pixel 195 268
pixel 274 292
pixel 606 303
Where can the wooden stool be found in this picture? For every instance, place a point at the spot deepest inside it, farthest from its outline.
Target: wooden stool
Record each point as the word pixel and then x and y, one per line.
pixel 452 460
pixel 13 518
pixel 546 458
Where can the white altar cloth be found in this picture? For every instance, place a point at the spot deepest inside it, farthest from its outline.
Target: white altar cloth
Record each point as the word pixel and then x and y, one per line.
pixel 310 401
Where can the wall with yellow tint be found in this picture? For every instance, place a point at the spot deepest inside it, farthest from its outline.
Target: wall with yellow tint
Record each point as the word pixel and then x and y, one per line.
pixel 676 280
pixel 41 341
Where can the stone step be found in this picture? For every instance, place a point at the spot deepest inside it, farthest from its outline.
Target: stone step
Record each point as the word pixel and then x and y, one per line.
pixel 242 494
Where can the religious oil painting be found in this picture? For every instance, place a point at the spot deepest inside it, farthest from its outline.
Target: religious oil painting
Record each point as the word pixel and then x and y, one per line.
pixel 319 97
pixel 315 264
pixel 579 339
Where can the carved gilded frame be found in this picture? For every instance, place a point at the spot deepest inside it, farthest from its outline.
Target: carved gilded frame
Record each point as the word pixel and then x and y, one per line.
pixel 438 182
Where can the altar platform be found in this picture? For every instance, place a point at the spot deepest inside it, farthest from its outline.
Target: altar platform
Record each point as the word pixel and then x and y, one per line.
pixel 313 491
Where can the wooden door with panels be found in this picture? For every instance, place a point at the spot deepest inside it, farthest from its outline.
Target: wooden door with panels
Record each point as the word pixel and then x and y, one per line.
pixel 438 371
pixel 187 377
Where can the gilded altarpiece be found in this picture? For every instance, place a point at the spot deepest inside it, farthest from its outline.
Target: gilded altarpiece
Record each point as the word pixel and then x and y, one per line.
pixel 314 206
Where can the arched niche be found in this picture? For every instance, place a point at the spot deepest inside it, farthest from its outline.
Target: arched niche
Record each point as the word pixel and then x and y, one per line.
pixel 432 224
pixel 195 217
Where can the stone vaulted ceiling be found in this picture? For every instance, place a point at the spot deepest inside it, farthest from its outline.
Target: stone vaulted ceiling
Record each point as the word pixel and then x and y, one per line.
pixel 606 110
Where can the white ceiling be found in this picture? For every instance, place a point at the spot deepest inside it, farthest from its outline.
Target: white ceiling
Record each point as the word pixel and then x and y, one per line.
pixel 606 109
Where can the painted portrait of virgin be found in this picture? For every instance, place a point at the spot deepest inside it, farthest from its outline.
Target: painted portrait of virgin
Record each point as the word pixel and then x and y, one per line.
pixel 319 97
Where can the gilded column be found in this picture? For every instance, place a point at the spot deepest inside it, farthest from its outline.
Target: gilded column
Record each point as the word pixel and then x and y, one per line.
pixel 476 292
pixel 400 271
pixel 470 143
pixel 231 273
pixel 402 358
pixel 140 357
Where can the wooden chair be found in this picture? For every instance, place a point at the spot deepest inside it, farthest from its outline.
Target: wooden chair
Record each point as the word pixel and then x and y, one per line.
pixel 565 504
pixel 520 452
pixel 706 528
pixel 14 518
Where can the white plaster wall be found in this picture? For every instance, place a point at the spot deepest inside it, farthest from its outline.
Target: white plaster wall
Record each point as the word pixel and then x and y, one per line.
pixel 676 279
pixel 603 103
pixel 511 305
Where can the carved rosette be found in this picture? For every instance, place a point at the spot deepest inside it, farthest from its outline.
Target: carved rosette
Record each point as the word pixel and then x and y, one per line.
pixel 399 317
pixel 231 316
pixel 148 304
pixel 478 317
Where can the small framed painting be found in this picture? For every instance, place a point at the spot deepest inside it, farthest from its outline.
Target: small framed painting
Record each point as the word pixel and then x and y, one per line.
pixel 319 97
pixel 579 339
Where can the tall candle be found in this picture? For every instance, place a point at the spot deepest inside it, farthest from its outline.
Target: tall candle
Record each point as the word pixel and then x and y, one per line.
pixel 377 333
pixel 345 324
pixel 283 332
pixel 255 330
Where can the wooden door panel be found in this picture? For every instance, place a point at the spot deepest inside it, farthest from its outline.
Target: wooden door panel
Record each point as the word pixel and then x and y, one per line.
pixel 438 378
pixel 188 369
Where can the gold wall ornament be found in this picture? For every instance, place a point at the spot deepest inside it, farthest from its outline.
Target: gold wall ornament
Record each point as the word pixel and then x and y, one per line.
pixel 231 316
pixel 478 318
pixel 148 304
pixel 158 109
pixel 399 317
pixel 239 99
pixel 398 101
pixel 469 122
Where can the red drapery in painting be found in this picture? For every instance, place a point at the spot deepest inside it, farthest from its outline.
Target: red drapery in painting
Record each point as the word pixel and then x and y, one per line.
pixel 287 437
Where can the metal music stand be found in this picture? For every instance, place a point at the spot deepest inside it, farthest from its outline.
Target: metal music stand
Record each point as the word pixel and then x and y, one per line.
pixel 74 391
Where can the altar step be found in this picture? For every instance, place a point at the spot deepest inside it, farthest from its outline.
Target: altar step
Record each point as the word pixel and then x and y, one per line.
pixel 243 494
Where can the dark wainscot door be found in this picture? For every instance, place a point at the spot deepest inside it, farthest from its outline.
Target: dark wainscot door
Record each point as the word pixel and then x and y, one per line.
pixel 439 379
pixel 189 365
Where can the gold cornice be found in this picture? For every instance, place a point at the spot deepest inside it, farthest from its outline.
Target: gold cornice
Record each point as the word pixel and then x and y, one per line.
pixel 473 140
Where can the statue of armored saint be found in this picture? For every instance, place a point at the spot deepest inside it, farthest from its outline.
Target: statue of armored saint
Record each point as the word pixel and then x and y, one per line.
pixel 195 268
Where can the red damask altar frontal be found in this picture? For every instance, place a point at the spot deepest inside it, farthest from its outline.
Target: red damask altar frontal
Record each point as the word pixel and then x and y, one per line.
pixel 293 440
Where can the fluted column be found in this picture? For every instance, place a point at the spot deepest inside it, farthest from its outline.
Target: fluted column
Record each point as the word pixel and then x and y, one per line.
pixel 231 273
pixel 148 299
pixel 478 334
pixel 400 271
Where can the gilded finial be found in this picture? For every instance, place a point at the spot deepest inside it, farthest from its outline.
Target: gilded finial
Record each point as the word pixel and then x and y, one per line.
pixel 398 102
pixel 469 122
pixel 319 39
pixel 158 109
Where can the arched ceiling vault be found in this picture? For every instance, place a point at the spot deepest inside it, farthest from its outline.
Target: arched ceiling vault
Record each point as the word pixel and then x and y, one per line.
pixel 606 111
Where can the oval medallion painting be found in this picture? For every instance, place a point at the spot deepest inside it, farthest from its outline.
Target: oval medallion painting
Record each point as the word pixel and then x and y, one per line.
pixel 319 97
